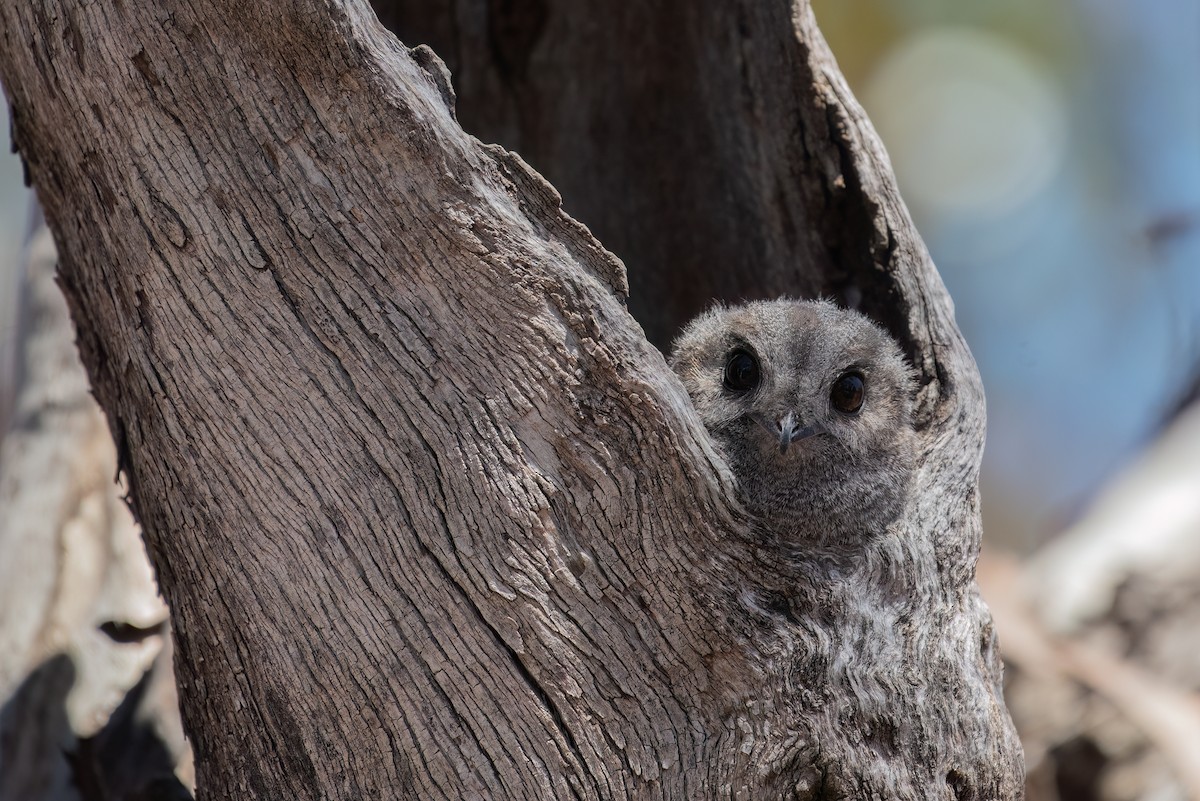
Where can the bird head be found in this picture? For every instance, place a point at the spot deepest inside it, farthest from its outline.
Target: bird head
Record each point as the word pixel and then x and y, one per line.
pixel 799 394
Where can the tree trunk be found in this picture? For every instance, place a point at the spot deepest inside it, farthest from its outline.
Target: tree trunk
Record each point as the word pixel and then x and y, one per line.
pixel 433 518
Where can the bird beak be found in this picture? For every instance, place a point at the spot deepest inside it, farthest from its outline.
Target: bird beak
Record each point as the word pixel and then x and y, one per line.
pixel 789 430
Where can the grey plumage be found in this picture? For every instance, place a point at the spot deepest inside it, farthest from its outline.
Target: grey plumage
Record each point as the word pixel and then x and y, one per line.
pixel 809 470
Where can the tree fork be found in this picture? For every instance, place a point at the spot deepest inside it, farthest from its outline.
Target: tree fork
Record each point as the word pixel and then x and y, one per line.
pixel 432 516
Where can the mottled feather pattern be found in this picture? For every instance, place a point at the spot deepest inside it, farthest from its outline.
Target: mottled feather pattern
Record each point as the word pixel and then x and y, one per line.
pixel 845 475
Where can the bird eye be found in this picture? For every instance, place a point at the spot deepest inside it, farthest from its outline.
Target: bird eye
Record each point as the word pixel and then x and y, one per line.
pixel 847 393
pixel 741 372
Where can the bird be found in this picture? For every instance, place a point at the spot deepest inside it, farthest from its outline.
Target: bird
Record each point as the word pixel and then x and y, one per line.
pixel 811 407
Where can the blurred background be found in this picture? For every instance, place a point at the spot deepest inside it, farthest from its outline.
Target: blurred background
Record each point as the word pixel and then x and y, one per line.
pixel 1049 151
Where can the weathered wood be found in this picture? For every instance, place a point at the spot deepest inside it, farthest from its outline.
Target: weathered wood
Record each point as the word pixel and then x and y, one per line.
pixel 433 518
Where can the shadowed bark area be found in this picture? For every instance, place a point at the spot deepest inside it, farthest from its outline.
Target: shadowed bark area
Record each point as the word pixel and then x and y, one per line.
pixel 715 147
pixel 433 517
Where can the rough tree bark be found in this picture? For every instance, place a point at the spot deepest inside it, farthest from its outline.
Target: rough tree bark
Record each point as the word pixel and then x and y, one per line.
pixel 432 516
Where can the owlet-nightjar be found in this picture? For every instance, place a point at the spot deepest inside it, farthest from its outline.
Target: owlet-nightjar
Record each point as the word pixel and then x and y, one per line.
pixel 812 408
